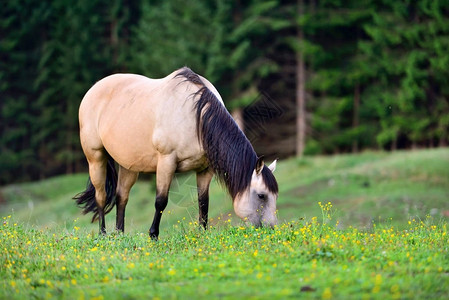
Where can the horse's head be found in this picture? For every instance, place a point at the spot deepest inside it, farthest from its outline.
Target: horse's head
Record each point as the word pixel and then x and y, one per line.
pixel 257 204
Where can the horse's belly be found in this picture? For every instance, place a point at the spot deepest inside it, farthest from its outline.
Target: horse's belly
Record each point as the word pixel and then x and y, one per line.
pixel 147 162
pixel 140 153
pixel 133 158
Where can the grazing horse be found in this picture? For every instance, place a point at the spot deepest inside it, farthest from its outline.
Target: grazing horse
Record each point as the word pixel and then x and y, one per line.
pixel 174 124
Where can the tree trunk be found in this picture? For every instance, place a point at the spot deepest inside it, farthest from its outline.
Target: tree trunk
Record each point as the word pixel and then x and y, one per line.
pixel 355 116
pixel 300 91
pixel 237 114
pixel 394 143
pixel 443 137
pixel 442 142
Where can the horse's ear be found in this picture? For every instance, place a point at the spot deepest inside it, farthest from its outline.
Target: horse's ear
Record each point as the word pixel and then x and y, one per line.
pixel 259 165
pixel 272 166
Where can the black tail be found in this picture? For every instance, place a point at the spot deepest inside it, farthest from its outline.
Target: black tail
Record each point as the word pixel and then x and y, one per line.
pixel 86 199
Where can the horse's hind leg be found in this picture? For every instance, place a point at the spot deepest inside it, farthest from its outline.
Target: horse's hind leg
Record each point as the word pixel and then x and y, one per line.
pixel 97 172
pixel 166 168
pixel 126 180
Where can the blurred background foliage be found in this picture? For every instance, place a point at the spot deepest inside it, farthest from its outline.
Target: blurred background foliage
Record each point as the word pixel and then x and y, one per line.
pixel 376 72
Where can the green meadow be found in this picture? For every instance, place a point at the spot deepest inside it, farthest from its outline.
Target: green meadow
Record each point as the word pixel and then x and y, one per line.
pixel 371 225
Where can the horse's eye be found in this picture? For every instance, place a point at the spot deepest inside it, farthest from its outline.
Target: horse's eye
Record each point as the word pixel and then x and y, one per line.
pixel 261 196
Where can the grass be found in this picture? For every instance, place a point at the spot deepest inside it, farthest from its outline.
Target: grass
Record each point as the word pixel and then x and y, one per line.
pixel 296 259
pixel 372 225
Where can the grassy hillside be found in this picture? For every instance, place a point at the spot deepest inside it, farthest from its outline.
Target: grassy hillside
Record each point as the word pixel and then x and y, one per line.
pixel 399 202
pixel 364 188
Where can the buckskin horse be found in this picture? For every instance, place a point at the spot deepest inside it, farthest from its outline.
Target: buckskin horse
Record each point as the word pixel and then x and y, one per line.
pixel 174 124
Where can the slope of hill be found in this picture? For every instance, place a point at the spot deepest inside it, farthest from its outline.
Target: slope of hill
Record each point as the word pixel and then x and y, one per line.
pixel 364 189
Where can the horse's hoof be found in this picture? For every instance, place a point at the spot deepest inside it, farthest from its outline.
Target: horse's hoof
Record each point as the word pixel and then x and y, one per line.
pixel 153 236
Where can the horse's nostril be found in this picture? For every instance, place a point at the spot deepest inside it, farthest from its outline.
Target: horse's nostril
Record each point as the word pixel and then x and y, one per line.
pixel 257 224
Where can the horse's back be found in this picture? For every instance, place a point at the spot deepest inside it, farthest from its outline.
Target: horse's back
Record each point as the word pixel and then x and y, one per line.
pixel 138 120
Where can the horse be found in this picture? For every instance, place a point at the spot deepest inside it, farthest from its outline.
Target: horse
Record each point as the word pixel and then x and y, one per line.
pixel 173 124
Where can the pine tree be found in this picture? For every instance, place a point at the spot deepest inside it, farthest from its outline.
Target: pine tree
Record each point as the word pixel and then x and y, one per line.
pixel 21 25
pixel 405 39
pixel 333 30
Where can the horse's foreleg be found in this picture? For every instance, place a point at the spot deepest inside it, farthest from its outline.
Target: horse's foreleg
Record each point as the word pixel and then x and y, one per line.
pixel 203 181
pixel 126 180
pixel 160 205
pixel 166 168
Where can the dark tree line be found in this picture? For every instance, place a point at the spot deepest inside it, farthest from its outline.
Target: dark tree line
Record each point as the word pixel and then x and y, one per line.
pixel 329 76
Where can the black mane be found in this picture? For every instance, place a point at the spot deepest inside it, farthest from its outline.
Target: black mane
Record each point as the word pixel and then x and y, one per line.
pixel 230 154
